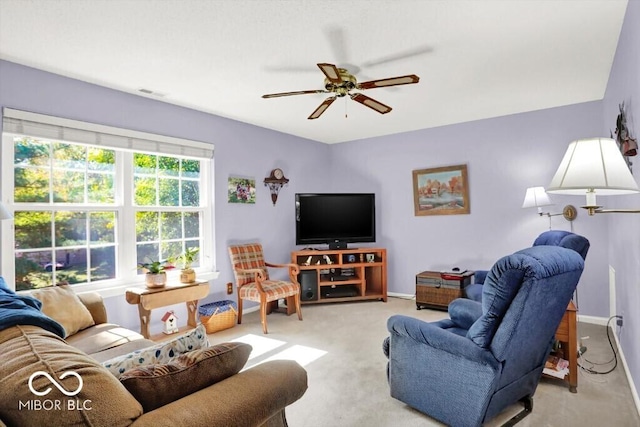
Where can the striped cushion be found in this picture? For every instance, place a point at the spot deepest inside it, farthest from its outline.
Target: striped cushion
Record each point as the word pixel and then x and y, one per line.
pixel 247 257
pixel 275 289
pixel 156 385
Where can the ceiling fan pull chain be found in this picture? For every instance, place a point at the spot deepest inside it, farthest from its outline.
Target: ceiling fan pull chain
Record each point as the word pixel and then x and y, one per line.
pixel 345 107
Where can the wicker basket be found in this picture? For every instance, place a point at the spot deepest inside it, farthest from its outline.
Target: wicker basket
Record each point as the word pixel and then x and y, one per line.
pixel 219 315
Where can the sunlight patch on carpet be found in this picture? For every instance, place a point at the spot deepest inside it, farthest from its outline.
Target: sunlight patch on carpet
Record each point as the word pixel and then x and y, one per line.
pixel 261 345
pixel 301 354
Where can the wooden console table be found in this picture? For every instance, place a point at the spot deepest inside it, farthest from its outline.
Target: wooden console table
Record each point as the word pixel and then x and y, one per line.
pixel 148 299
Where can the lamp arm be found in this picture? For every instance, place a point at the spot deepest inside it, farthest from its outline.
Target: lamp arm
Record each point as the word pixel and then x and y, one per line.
pixel 594 210
pixel 569 213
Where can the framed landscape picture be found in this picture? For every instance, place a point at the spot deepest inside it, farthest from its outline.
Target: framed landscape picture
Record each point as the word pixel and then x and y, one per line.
pixel 441 191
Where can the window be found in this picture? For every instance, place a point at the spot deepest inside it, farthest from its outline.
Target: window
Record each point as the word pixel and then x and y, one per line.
pixel 90 205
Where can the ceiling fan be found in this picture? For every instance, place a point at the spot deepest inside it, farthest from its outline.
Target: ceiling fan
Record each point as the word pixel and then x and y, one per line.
pixel 340 82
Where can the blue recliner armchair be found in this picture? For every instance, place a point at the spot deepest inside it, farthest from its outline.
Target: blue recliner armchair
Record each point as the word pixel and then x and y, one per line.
pixel 465 370
pixel 561 238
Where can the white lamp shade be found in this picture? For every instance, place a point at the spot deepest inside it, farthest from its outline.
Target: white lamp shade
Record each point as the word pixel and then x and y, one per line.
pixel 4 213
pixel 593 164
pixel 536 197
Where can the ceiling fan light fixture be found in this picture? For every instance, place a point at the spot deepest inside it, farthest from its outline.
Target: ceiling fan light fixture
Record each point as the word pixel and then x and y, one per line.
pixel 340 83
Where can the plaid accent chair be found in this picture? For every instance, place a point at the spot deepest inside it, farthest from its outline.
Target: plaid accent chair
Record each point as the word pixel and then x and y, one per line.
pixel 253 283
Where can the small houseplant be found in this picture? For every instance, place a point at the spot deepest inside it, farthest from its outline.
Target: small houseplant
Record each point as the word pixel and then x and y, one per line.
pixel 156 272
pixel 186 260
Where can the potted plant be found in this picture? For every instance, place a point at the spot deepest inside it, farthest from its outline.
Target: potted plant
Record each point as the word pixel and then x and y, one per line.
pixel 186 260
pixel 156 276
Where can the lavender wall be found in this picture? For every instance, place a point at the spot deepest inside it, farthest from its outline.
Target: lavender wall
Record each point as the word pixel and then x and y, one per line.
pixel 504 156
pixel 624 229
pixel 240 149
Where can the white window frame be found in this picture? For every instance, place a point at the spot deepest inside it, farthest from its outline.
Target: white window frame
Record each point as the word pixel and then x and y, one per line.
pixel 126 237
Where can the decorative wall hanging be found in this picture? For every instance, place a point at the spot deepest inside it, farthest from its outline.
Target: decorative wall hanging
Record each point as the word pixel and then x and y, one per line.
pixel 242 190
pixel 628 145
pixel 441 191
pixel 275 181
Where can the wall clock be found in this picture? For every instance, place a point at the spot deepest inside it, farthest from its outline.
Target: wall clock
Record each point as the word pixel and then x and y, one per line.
pixel 275 181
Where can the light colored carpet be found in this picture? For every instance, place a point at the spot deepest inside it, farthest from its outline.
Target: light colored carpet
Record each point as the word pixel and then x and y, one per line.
pixel 340 346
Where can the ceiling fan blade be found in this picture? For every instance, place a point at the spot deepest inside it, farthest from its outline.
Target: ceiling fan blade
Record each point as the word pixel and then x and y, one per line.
pixel 289 69
pixel 300 92
pixel 337 42
pixel 332 73
pixel 370 102
pixel 391 81
pixel 321 108
pixel 409 53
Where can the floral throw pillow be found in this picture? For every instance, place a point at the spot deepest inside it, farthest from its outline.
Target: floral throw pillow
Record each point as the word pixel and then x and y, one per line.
pixel 161 353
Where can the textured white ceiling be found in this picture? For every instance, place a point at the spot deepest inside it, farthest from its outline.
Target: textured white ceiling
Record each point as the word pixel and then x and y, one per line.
pixel 476 58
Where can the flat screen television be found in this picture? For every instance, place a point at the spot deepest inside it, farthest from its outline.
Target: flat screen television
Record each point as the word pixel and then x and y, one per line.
pixel 335 219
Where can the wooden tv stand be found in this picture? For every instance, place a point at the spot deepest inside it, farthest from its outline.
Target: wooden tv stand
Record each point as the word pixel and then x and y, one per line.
pixel 351 276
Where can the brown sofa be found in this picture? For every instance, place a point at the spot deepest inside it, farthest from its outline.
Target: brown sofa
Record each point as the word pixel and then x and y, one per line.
pixel 254 397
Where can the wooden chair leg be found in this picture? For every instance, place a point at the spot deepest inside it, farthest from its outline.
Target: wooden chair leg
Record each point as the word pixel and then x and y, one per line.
pixel 272 306
pixel 239 310
pixel 291 305
pixel 263 316
pixel 297 299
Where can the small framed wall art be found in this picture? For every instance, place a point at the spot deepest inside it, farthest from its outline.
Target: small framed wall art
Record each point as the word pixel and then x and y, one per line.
pixel 241 190
pixel 441 191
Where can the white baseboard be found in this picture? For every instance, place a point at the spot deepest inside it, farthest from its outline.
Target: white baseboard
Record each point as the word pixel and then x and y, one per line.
pixel 594 320
pixel 250 309
pixel 634 390
pixel 603 322
pixel 399 295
